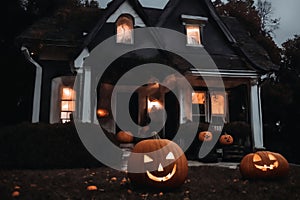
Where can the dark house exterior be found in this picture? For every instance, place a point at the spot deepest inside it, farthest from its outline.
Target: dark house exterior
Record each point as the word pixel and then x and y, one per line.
pixel 62 47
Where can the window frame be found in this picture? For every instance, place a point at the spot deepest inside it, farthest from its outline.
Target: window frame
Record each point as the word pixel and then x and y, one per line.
pixel 190 20
pixel 208 115
pixel 71 109
pixel 122 19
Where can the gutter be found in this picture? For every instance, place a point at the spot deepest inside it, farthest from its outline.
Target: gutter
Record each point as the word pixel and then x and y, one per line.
pixel 37 86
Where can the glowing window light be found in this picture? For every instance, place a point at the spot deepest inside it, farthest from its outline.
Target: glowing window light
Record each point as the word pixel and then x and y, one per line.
pixel 218 104
pixel 67 104
pixel 125 30
pixel 198 98
pixel 193 35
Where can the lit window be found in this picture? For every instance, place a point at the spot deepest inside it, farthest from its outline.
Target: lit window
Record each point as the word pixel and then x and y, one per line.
pixel 217 104
pixel 219 109
pixel 67 104
pixel 199 106
pixel 193 35
pixel 125 30
pixel 194 28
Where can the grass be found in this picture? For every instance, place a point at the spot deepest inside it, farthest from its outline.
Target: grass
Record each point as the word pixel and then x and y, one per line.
pixel 203 182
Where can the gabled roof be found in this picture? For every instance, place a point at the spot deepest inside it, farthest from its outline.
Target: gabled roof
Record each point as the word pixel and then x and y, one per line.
pixel 77 28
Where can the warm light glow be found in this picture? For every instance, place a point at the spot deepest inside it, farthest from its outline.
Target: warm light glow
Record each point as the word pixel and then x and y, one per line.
pixel 68 94
pixel 102 112
pixel 125 30
pixel 217 104
pixel 67 104
pixel 193 34
pixel 164 178
pixel 154 105
pixel 198 97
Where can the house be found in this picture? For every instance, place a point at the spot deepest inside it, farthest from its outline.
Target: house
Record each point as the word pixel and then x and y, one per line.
pixel 94 48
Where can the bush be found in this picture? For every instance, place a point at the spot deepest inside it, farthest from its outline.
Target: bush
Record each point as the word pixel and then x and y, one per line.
pixel 28 145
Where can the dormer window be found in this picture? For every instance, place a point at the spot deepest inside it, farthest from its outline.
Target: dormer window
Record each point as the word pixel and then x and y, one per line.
pixel 124 29
pixel 193 26
pixel 193 35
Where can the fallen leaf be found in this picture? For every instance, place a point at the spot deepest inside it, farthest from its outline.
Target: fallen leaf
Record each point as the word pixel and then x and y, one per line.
pixel 113 179
pixel 15 194
pixel 91 187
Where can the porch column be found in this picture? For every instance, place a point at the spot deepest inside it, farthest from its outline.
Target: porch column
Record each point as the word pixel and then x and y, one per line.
pixel 86 96
pixel 84 103
pixel 256 115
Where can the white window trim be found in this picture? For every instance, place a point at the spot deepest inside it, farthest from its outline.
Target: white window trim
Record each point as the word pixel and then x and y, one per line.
pixel 194 21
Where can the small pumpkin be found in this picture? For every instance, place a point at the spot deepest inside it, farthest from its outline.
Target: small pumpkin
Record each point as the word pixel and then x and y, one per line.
pixel 226 139
pixel 264 165
pixel 157 163
pixel 125 137
pixel 205 136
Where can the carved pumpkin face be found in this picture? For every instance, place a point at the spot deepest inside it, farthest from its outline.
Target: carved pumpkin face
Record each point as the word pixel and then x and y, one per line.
pixel 160 163
pixel 205 136
pixel 264 164
pixel 226 139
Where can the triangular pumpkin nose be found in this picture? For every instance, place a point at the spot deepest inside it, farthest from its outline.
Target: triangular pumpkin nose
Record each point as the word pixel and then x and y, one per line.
pixel 160 168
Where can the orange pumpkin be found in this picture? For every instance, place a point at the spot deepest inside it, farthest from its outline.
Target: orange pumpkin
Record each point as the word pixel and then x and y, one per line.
pixel 125 137
pixel 264 165
pixel 226 139
pixel 205 136
pixel 158 163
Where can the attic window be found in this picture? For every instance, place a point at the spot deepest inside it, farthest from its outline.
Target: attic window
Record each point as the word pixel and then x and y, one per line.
pixel 194 26
pixel 193 35
pixel 125 30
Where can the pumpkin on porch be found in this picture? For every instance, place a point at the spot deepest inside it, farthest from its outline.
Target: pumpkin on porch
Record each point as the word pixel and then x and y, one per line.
pixel 226 139
pixel 157 163
pixel 205 136
pixel 264 165
pixel 125 137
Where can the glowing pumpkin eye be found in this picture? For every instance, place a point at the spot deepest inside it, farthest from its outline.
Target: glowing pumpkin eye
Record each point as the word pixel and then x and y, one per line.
pixel 271 157
pixel 256 158
pixel 147 159
pixel 170 156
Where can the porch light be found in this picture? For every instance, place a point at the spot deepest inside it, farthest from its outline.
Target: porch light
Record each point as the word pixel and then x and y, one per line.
pixel 154 104
pixel 101 112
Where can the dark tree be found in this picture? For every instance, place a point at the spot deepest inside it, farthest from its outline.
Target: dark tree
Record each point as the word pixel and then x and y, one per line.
pixel 246 12
pixel 265 12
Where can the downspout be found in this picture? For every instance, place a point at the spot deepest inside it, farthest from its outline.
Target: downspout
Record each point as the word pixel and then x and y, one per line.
pixel 37 86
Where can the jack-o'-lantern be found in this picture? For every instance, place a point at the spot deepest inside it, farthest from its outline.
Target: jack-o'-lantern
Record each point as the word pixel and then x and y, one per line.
pixel 226 139
pixel 264 164
pixel 158 163
pixel 205 136
pixel 125 137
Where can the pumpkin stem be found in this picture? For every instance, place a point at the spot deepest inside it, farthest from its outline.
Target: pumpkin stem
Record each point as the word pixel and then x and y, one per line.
pixel 156 135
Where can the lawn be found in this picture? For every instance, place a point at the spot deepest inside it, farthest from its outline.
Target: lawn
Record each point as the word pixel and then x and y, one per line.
pixel 42 161
pixel 203 182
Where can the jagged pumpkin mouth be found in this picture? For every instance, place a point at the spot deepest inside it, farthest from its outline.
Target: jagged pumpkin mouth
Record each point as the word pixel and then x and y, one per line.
pixel 267 167
pixel 163 178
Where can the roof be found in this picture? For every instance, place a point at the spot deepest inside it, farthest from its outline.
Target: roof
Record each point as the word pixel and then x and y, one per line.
pixel 71 30
pixel 255 53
